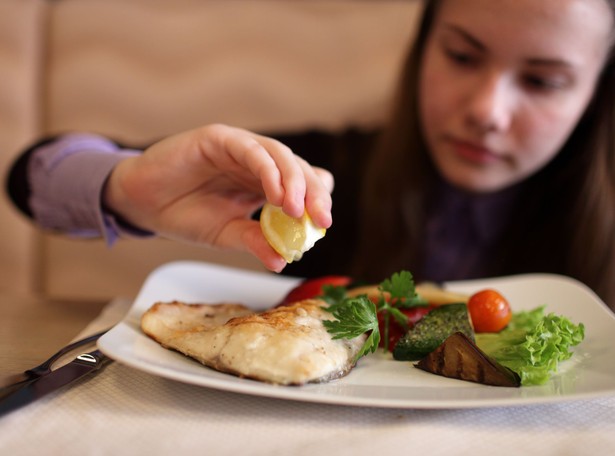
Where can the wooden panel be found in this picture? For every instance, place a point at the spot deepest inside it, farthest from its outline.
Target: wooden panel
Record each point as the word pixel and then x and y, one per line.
pixel 22 28
pixel 141 69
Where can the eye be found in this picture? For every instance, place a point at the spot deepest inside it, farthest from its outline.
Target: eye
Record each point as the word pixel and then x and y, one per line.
pixel 461 58
pixel 545 83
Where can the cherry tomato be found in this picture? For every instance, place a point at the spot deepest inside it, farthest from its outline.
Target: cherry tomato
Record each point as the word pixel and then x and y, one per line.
pixel 489 311
pixel 311 288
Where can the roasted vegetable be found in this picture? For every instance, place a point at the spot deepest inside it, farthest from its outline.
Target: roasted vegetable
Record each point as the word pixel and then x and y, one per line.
pixel 459 357
pixel 432 330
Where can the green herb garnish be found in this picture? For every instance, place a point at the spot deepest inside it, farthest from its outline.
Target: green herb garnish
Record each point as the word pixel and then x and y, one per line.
pixel 402 294
pixel 354 317
pixel 333 294
pixel 358 315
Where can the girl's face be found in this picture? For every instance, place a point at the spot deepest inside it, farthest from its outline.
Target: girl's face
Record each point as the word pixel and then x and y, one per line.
pixel 503 84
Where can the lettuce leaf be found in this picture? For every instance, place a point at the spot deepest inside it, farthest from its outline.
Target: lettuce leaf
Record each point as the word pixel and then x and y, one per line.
pixel 533 344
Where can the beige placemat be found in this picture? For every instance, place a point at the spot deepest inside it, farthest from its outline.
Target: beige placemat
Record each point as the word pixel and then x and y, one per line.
pixel 111 314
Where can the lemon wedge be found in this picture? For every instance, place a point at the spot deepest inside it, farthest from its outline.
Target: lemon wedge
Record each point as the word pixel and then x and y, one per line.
pixel 290 237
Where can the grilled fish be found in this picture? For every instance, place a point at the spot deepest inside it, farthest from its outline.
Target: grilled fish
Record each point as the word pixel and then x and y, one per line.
pixel 286 345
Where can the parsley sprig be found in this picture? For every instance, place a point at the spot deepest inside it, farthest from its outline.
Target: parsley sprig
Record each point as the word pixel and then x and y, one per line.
pixel 358 315
pixel 401 295
pixel 354 317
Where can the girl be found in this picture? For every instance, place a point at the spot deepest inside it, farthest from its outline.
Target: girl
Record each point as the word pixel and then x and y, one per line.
pixel 500 156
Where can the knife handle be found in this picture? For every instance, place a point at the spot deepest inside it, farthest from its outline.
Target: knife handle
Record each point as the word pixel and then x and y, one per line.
pixel 94 358
pixel 45 367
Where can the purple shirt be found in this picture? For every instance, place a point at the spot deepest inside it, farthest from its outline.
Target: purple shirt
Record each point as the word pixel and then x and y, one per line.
pixel 67 177
pixel 461 230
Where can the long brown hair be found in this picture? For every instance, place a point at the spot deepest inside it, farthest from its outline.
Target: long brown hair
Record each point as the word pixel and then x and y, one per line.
pixel 565 219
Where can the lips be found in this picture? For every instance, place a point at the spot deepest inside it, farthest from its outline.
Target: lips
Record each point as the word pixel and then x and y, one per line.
pixel 474 153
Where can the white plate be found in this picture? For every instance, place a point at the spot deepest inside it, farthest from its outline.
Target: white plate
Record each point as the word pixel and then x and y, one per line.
pixel 377 380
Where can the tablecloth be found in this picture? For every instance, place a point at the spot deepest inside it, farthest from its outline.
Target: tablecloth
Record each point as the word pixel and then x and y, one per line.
pixel 125 411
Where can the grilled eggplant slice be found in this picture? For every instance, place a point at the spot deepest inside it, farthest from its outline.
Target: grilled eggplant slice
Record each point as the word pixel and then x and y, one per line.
pixel 459 357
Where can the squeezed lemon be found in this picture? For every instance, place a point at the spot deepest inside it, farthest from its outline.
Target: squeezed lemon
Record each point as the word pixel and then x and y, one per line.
pixel 289 237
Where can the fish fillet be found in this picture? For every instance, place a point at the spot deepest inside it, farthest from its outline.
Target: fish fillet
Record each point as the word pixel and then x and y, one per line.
pixel 285 345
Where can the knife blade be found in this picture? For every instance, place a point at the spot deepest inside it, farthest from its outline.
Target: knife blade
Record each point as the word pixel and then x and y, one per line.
pixel 82 365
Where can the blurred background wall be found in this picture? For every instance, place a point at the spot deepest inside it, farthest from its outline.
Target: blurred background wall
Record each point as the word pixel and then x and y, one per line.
pixel 137 70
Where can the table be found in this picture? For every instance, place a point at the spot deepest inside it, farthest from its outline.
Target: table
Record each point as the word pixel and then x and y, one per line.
pixel 33 327
pixel 126 411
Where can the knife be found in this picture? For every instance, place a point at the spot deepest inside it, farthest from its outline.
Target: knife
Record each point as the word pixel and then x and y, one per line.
pixel 14 381
pixel 82 365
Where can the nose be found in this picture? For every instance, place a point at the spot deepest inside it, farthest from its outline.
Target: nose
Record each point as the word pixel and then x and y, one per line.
pixel 490 104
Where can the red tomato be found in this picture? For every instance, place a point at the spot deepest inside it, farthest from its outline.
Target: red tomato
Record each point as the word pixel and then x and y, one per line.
pixel 311 288
pixel 489 311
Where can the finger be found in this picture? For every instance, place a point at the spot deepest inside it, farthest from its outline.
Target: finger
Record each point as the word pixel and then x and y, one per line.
pixel 256 244
pixel 270 161
pixel 283 175
pixel 293 180
pixel 246 236
pixel 326 177
pixel 318 197
pixel 223 151
pixel 239 152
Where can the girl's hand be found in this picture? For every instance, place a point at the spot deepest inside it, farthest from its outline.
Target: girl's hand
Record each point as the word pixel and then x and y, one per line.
pixel 203 186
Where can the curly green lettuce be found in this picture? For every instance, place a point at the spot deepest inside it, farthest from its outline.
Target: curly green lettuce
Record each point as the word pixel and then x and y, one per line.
pixel 533 344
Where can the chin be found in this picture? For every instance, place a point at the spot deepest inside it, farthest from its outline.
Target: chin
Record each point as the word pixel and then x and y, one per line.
pixel 477 183
pixel 475 179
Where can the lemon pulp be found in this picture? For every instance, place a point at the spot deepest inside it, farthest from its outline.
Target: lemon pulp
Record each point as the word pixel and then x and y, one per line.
pixel 289 237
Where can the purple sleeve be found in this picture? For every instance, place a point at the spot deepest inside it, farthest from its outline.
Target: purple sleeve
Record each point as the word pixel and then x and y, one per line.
pixel 66 179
